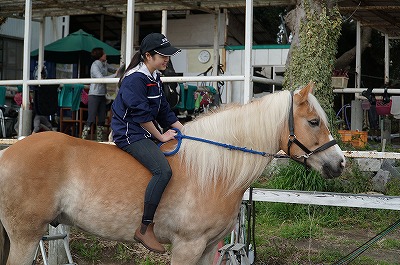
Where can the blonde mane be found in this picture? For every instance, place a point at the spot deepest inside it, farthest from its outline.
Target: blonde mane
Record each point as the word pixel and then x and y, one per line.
pixel 256 126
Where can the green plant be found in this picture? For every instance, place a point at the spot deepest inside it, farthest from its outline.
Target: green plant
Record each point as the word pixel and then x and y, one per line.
pixel 390 243
pixel 123 253
pixel 300 229
pixel 90 249
pixel 393 187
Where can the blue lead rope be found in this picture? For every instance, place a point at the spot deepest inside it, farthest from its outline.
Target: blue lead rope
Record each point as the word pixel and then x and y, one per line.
pixel 179 136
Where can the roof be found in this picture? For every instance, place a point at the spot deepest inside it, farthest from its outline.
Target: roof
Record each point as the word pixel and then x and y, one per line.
pixel 43 8
pixel 381 15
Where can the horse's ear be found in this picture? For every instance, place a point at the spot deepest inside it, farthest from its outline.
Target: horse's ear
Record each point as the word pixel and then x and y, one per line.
pixel 303 93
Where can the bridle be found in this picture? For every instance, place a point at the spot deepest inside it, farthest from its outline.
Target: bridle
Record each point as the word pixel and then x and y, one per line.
pixel 293 138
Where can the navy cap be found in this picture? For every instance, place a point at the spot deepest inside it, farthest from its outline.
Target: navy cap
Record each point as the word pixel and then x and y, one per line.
pixel 159 43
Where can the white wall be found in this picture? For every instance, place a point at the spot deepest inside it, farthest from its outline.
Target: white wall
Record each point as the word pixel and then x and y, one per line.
pixel 195 31
pixel 187 63
pixel 266 58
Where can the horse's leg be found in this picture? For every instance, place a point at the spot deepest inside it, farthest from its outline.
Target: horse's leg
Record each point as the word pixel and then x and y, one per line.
pixel 23 241
pixel 208 255
pixel 187 252
pixel 22 253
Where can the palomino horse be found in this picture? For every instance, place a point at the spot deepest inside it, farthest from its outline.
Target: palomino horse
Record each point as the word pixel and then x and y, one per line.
pixel 54 178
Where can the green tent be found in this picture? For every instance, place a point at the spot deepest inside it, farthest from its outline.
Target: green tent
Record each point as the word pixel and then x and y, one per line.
pixel 76 48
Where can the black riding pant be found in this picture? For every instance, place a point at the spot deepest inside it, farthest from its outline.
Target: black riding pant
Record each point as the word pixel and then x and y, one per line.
pixel 150 156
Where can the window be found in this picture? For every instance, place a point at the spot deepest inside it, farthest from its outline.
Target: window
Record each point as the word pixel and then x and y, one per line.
pixel 11 59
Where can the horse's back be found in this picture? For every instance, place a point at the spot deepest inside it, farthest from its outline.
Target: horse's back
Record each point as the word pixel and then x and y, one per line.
pixel 64 173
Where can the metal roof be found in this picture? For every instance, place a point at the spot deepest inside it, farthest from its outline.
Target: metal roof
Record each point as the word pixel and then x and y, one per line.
pixel 43 8
pixel 381 15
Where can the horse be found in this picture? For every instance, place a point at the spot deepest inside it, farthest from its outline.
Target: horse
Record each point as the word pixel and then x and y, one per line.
pixel 53 178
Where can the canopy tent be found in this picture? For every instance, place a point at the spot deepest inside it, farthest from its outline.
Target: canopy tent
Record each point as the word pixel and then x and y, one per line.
pixel 76 48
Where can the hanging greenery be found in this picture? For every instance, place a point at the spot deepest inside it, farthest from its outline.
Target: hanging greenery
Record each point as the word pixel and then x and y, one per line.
pixel 314 58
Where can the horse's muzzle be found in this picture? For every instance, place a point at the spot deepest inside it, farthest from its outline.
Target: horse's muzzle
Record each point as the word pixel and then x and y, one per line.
pixel 330 170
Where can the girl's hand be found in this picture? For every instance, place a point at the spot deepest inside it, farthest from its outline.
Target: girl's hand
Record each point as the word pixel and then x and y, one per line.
pixel 168 135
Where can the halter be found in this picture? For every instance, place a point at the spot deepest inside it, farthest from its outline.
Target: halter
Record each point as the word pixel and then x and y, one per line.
pixel 293 139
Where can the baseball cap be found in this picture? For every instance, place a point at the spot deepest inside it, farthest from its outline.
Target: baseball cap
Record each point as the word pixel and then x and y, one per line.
pixel 159 43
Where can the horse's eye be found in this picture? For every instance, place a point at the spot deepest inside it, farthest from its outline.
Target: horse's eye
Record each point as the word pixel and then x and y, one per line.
pixel 314 122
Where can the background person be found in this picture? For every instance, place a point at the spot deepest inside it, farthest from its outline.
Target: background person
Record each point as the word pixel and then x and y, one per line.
pixel 97 93
pixel 138 110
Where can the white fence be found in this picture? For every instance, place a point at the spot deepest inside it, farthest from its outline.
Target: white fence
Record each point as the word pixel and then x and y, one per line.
pixel 325 198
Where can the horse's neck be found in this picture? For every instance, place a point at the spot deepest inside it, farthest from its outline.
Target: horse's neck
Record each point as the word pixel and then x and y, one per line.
pixel 252 126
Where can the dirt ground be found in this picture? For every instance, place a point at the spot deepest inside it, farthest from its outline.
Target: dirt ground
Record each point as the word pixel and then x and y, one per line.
pixel 346 241
pixel 289 251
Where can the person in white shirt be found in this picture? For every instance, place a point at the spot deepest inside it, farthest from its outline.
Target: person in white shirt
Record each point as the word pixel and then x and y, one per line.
pixel 97 93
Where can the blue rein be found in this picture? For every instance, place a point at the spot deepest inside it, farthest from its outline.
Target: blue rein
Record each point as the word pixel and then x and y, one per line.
pixel 179 136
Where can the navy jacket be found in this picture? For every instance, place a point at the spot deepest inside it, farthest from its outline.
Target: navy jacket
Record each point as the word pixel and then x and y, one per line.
pixel 140 99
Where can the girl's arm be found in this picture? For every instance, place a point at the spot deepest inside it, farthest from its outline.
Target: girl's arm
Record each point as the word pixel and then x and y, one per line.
pixel 165 137
pixel 178 125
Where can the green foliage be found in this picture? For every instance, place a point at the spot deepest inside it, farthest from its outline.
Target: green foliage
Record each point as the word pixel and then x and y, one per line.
pixel 122 253
pixel 389 244
pixel 295 177
pixel 90 249
pixel 300 229
pixel 393 187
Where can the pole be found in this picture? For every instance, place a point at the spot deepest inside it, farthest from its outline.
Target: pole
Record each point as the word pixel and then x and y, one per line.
pixel 130 21
pixel 248 61
pixel 164 26
pixel 216 47
pixel 25 114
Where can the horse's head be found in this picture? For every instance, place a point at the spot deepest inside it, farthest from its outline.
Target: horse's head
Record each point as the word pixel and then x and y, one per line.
pixel 310 140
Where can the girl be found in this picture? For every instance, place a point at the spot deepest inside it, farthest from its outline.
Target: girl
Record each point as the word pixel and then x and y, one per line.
pixel 138 110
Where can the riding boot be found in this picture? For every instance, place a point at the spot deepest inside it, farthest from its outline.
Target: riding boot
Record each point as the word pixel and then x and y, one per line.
pixel 99 133
pixel 85 131
pixel 145 235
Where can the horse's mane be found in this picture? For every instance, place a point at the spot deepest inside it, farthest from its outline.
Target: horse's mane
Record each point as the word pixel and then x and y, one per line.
pixel 256 126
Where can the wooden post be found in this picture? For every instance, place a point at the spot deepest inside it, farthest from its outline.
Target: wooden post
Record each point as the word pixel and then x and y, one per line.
pixel 57 254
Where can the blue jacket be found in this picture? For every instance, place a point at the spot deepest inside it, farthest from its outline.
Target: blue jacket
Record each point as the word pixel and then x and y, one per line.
pixel 140 99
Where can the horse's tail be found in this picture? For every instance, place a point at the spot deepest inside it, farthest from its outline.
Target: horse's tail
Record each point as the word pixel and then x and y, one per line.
pixel 4 245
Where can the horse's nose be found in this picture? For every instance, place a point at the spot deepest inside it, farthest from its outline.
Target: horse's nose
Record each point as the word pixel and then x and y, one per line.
pixel 339 169
pixel 342 164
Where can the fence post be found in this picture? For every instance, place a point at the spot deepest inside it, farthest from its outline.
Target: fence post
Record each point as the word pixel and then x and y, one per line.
pixel 357 115
pixel 57 254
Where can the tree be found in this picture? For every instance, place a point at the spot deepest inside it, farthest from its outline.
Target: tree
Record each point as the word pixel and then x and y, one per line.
pixel 316 26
